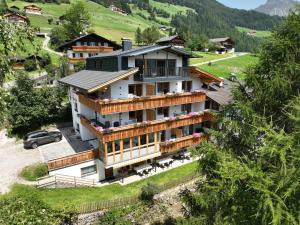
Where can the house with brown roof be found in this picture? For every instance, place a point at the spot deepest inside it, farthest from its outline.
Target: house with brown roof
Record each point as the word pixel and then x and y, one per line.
pixel 16 18
pixel 174 40
pixel 33 9
pixel 224 45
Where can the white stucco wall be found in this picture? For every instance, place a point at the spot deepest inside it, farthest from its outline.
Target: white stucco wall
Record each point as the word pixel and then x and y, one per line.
pixel 75 170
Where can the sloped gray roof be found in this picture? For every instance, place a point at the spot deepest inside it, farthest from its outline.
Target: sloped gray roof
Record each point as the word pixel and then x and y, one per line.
pixel 164 39
pixel 143 50
pixel 222 95
pixel 89 79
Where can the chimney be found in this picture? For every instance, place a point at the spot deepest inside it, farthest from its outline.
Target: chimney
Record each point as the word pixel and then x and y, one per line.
pixel 126 44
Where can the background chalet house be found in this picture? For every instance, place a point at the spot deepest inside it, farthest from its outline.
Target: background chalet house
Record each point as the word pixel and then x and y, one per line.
pixel 33 9
pixel 174 40
pixel 16 18
pixel 86 46
pixel 135 106
pixel 224 45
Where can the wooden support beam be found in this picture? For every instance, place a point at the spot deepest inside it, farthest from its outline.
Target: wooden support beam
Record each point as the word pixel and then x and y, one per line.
pixel 130 143
pixel 121 149
pixel 114 150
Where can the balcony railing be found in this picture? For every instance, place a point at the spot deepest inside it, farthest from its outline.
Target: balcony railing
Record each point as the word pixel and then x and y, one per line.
pixel 76 60
pixel 122 132
pixel 72 159
pixel 140 103
pixel 162 72
pixel 85 48
pixel 180 143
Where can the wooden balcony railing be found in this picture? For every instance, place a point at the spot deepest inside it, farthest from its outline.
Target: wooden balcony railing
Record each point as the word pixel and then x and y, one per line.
pixel 139 129
pixel 72 159
pixel 150 102
pixel 85 48
pixel 180 143
pixel 76 60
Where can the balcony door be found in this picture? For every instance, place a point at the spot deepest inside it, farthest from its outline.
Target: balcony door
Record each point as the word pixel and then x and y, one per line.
pixel 161 68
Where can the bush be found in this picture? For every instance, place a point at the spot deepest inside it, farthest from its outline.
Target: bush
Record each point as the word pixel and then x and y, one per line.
pixel 148 192
pixel 31 210
pixel 32 172
pixel 30 65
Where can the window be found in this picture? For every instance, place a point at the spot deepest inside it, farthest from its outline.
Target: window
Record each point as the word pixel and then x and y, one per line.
pixel 88 170
pixel 186 108
pixel 163 111
pixel 109 147
pixel 135 141
pixel 151 137
pixel 187 86
pixel 75 106
pixel 163 87
pixel 126 143
pixel 143 139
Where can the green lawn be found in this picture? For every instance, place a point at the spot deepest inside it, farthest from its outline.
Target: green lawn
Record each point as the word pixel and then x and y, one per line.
pixel 57 197
pixel 259 33
pixel 236 65
pixel 208 56
pixel 171 9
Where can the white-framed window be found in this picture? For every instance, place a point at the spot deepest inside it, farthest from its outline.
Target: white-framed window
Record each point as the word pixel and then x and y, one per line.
pixel 85 171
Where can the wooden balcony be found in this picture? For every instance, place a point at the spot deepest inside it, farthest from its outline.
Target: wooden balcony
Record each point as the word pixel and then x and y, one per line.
pixel 139 129
pixel 180 143
pixel 76 60
pixel 92 49
pixel 150 102
pixel 72 159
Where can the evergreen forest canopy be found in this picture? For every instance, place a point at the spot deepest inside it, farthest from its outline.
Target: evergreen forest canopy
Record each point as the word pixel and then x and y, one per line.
pixel 216 20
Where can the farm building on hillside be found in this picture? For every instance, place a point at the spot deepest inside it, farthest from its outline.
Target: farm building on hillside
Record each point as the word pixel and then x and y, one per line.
pixel 16 18
pixel 224 45
pixel 33 9
pixel 174 40
pixel 86 46
pixel 118 10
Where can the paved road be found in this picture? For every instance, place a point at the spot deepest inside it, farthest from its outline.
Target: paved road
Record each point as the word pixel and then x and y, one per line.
pixel 45 46
pixel 217 60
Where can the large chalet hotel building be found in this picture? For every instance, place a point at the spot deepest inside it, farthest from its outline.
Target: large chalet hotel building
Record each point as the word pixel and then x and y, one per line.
pixel 135 106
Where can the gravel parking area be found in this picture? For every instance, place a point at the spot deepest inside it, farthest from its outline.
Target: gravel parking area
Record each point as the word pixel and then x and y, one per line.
pixel 13 159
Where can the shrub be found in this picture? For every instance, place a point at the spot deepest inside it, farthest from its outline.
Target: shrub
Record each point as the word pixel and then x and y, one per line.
pixel 32 172
pixel 31 210
pixel 148 192
pixel 30 65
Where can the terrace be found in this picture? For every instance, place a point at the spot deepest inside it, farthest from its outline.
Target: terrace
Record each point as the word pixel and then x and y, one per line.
pixel 146 127
pixel 106 107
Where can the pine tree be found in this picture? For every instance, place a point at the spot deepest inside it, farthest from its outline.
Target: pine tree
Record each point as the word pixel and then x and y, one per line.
pixel 138 36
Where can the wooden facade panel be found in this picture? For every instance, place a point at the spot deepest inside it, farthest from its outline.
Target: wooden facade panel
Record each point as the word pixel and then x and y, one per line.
pixel 149 102
pixel 73 159
pixel 150 127
pixel 181 143
pixel 85 48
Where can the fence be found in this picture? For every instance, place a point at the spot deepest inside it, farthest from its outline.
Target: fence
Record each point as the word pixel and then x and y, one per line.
pixel 56 180
pixel 125 201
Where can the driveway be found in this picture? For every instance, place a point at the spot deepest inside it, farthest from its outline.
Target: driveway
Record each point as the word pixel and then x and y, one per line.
pixel 13 159
pixel 69 145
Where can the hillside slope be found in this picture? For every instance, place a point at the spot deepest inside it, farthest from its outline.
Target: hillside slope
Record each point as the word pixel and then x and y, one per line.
pixel 277 7
pixel 109 24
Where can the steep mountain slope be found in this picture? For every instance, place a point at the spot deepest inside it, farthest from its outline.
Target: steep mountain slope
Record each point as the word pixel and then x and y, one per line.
pixel 277 7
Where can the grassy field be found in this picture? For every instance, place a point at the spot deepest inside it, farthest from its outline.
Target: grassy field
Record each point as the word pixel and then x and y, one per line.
pixel 259 33
pixel 208 56
pixel 57 197
pixel 105 22
pixel 236 65
pixel 171 9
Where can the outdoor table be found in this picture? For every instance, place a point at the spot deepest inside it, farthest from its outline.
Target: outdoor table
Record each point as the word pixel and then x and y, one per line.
pixel 140 169
pixel 164 161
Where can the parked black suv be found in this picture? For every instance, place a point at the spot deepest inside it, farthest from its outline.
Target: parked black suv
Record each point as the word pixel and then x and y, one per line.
pixel 36 138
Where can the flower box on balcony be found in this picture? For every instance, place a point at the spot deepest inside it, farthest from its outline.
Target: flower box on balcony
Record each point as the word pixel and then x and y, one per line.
pixel 108 130
pixel 197 135
pixel 198 91
pixel 172 118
